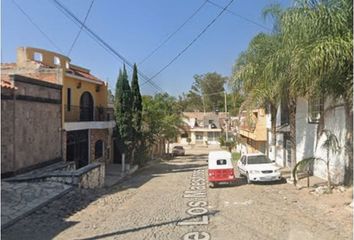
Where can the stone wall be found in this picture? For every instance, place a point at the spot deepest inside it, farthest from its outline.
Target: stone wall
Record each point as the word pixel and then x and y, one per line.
pixel 93 178
pixel 7 135
pixel 36 124
pixel 90 176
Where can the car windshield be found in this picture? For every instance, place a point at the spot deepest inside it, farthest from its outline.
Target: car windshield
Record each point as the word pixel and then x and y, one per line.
pixel 258 159
pixel 178 147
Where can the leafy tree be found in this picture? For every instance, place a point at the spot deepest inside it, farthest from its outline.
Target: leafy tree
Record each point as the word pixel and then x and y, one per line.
pixel 206 94
pixel 161 118
pixel 191 102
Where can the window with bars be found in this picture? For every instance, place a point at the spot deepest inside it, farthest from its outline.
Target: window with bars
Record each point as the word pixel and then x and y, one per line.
pixel 315 109
pixel 98 149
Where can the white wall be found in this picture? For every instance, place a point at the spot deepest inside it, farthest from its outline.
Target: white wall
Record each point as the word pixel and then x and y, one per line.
pixel 306 140
pixel 306 133
pixel 335 122
pixel 276 152
pixel 307 145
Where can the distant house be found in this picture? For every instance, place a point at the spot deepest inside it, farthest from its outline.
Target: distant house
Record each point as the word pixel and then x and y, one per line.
pixel 202 128
pixel 309 138
pixel 252 131
pixel 86 119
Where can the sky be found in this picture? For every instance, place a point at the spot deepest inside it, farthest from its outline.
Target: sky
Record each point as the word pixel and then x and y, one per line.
pixel 134 28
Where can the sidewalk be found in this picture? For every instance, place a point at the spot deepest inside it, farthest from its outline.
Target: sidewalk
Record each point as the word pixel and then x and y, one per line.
pixel 21 199
pixel 114 174
pixel 302 178
pixel 23 194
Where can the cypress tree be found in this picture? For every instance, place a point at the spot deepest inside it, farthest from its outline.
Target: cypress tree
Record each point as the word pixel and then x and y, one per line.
pixel 137 105
pixel 123 106
pixel 118 95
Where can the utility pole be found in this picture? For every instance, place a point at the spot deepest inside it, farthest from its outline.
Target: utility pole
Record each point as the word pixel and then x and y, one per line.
pixel 227 117
pixel 203 103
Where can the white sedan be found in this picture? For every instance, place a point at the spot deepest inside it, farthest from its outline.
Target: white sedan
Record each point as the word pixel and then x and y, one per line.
pixel 257 167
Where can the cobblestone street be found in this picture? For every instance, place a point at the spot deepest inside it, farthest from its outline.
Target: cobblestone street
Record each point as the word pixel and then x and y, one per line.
pixel 152 204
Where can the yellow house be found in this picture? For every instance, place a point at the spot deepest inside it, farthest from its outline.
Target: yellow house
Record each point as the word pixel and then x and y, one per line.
pixel 253 130
pixel 87 117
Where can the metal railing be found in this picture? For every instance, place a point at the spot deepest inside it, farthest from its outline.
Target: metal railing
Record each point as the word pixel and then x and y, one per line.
pixel 81 114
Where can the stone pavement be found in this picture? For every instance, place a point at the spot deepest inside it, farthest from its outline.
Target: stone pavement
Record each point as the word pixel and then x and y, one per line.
pixel 113 174
pixel 21 195
pixel 21 199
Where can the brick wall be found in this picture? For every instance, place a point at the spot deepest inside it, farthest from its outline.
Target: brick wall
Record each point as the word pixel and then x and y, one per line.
pixel 95 135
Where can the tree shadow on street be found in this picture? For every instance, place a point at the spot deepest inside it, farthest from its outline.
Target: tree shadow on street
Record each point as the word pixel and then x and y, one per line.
pixel 213 213
pixel 53 218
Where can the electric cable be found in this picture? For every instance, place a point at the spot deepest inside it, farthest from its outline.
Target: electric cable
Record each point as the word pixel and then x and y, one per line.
pixel 102 43
pixel 36 26
pixel 173 33
pixel 78 34
pixel 191 43
pixel 239 16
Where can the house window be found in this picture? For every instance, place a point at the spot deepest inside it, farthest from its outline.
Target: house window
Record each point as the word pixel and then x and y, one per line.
pixel 56 60
pixel 199 137
pixel 284 114
pixel 98 149
pixel 68 100
pixel 315 109
pixel 213 136
pixel 38 57
pixel 184 135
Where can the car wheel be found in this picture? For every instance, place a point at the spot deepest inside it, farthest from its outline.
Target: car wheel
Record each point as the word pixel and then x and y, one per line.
pixel 211 185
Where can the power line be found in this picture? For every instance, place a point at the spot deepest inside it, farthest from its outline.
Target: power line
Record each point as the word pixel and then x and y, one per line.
pixel 192 42
pixel 239 16
pixel 173 33
pixel 78 34
pixel 102 43
pixel 36 26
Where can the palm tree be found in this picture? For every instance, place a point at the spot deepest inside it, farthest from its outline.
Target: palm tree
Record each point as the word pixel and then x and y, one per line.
pixel 330 144
pixel 249 76
pixel 322 33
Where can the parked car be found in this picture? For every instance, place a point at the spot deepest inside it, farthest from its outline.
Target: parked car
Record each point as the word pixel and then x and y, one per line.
pixel 220 168
pixel 257 167
pixel 178 151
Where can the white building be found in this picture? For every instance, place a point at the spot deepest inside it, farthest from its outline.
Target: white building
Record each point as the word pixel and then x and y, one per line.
pixel 202 128
pixel 309 138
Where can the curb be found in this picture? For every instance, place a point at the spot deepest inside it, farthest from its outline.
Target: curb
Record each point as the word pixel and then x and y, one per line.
pixel 16 219
pixel 132 171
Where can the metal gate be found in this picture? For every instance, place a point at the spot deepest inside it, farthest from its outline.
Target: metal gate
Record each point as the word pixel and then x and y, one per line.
pixel 77 147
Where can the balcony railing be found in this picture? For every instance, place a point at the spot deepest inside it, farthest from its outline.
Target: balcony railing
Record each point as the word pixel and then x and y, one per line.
pixel 81 114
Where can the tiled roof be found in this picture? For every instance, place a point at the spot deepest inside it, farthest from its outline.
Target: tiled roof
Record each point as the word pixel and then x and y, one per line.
pixel 5 66
pixel 191 115
pixel 6 82
pixel 83 74
pixel 200 115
